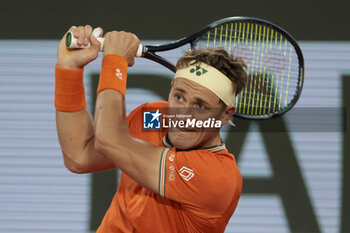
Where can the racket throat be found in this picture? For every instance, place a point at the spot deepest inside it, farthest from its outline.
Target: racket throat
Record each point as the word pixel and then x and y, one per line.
pixel 160 60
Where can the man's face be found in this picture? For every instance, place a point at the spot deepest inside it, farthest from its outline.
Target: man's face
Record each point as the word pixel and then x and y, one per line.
pixel 189 98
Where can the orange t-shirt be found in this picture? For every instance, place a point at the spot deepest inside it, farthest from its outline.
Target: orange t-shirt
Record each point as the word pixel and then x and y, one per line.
pixel 198 189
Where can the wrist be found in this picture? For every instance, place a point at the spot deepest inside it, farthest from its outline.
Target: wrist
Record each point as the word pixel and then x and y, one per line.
pixel 113 57
pixel 113 73
pixel 68 65
pixel 69 89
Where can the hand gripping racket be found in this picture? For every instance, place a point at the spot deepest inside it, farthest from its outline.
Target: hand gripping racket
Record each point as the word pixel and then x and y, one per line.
pixel 275 63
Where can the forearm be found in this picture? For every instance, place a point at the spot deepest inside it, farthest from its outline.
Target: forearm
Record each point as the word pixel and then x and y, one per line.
pixel 111 126
pixel 110 118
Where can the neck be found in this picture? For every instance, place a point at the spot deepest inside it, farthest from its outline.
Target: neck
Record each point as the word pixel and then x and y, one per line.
pixel 209 142
pixel 214 141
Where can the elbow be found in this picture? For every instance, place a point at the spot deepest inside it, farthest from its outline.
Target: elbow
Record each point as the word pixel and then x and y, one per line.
pixel 74 166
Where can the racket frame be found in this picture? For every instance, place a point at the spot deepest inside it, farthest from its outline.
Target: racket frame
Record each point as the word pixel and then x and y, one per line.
pixel 150 50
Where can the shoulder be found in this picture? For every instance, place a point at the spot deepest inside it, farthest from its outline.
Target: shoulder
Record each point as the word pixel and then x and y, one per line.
pixel 215 174
pixel 215 168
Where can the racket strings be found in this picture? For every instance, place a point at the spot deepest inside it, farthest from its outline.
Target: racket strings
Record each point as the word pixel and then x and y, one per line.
pixel 272 65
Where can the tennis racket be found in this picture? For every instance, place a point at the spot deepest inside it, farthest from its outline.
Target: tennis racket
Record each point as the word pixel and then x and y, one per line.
pixel 275 63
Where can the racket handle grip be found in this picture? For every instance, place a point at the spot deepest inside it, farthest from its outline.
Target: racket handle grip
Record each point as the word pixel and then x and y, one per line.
pixel 72 43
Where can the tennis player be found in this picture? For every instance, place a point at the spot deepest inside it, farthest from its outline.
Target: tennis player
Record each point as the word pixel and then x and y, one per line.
pixel 178 180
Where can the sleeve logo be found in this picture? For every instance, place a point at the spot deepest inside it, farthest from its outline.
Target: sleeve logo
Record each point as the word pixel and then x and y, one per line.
pixel 171 157
pixel 186 173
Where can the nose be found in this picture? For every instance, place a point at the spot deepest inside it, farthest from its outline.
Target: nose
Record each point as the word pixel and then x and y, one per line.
pixel 182 112
pixel 187 110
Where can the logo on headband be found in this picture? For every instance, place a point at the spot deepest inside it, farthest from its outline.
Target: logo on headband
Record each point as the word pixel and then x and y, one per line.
pixel 198 70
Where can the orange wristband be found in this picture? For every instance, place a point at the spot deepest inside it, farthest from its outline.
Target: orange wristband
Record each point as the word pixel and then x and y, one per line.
pixel 113 74
pixel 69 89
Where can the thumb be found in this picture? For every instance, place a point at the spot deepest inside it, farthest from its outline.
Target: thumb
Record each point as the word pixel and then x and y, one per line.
pixel 97 33
pixel 94 43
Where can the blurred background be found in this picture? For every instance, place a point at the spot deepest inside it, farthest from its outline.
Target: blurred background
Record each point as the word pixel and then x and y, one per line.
pixel 296 178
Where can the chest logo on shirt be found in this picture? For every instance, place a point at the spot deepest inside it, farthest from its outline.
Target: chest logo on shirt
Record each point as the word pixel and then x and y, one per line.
pixel 186 173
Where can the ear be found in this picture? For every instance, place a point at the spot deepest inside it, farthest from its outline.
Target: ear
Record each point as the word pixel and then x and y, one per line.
pixel 172 83
pixel 228 113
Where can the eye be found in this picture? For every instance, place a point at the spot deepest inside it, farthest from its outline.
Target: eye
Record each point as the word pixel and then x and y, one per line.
pixel 201 106
pixel 178 97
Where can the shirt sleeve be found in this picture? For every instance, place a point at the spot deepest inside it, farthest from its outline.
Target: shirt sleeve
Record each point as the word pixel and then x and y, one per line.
pixel 199 178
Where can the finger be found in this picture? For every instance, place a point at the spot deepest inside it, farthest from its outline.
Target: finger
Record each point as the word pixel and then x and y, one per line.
pixel 95 44
pixel 81 35
pixel 87 33
pixel 74 30
pixel 97 32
